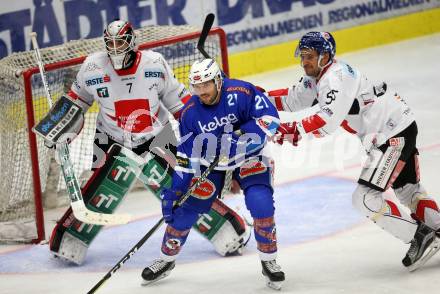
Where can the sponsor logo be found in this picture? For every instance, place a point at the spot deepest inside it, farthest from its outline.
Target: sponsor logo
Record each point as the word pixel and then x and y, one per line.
pixel 98 80
pixel 218 122
pixel 76 85
pixel 327 110
pixel 391 124
pixel 350 69
pixel 394 141
pixel 153 86
pixel 154 74
pixel 263 123
pixel 92 66
pixel 102 92
pixel 205 191
pixel 252 168
pixel 173 244
pixel 182 162
pixel 196 78
pixel 240 89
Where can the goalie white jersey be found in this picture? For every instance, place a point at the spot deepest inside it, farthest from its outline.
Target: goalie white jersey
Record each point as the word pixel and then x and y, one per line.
pixel 134 102
pixel 342 96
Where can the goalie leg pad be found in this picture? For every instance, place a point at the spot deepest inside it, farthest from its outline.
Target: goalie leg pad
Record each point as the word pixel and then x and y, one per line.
pixel 227 231
pixel 384 212
pixel 103 192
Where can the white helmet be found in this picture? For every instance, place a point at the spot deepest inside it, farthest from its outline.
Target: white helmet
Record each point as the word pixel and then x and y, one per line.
pixel 205 70
pixel 120 42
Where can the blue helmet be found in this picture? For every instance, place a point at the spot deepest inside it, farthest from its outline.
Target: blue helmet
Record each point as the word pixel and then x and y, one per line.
pixel 320 41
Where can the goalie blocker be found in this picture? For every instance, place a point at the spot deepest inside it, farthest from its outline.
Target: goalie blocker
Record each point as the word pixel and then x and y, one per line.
pixel 62 123
pixel 106 189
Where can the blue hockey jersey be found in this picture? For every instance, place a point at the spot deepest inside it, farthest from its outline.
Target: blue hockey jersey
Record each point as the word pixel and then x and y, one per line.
pixel 207 130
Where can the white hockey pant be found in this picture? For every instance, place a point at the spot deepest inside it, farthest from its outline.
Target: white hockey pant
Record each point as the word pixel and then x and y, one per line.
pixel 385 213
pixel 424 208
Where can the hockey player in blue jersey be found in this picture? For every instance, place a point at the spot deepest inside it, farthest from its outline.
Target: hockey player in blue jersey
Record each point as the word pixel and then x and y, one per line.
pixel 233 120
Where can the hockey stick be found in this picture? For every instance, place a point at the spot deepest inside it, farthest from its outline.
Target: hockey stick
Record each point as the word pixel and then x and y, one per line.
pixel 207 25
pixel 80 211
pixel 141 242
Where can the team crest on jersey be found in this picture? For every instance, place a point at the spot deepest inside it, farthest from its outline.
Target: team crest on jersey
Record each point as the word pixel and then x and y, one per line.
pixel 307 84
pixel 102 92
pixel 97 80
pixel 205 191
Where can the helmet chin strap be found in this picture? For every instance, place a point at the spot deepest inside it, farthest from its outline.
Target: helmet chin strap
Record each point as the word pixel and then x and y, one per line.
pixel 325 65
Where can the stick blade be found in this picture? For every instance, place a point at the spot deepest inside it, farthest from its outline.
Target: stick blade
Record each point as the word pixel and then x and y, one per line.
pixel 207 25
pixel 91 217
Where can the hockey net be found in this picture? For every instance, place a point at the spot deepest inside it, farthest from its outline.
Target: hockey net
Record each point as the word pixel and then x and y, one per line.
pixel 29 176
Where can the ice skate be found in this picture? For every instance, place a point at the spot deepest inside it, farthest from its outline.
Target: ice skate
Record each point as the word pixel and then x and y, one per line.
pixel 273 274
pixel 157 271
pixel 423 246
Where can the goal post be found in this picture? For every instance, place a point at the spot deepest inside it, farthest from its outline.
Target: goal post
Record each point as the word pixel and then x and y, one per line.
pixel 26 166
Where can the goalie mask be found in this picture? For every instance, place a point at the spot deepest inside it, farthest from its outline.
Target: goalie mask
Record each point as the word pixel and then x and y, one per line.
pixel 120 44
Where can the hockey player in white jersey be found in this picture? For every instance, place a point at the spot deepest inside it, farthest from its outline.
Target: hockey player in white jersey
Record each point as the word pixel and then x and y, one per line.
pixel 136 91
pixel 339 95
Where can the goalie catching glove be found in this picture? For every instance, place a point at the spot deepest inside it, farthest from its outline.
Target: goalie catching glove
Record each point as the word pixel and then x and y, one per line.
pixel 62 124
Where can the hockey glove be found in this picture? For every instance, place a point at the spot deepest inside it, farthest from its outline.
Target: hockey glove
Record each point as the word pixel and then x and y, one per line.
pixel 287 132
pixel 169 197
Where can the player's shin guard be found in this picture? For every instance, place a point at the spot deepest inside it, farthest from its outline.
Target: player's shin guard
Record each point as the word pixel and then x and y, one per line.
pixel 265 235
pixel 172 242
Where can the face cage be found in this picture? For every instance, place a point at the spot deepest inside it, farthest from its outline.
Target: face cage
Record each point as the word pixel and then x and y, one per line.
pixel 124 45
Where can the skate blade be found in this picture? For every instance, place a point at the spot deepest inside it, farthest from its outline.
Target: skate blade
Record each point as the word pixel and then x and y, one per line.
pixel 146 283
pixel 273 285
pixel 433 249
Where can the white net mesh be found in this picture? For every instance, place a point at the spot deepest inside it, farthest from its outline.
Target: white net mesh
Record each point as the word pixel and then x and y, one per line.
pixel 17 195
